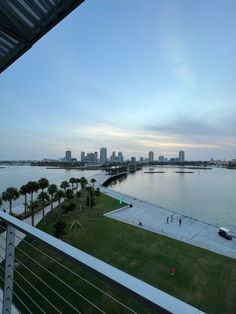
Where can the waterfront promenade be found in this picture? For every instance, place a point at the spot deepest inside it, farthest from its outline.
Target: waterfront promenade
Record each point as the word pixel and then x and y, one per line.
pixel 154 218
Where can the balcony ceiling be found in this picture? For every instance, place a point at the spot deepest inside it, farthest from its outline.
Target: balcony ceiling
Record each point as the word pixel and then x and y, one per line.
pixel 24 22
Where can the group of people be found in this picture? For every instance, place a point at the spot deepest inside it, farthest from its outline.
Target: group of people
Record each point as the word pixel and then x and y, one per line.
pixel 171 219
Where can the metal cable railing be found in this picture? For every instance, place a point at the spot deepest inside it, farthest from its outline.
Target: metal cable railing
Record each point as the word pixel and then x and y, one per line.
pixel 73 273
pixel 60 280
pixel 149 295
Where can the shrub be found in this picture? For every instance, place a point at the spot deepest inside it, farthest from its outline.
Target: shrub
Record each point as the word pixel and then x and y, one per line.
pixel 69 193
pixel 97 192
pixel 78 194
pixel 59 229
pixel 69 207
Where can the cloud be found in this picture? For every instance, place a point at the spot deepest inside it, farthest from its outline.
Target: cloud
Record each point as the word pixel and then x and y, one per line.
pixel 175 50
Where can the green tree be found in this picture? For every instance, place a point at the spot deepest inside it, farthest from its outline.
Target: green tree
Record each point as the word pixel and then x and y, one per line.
pixel 64 185
pixel 77 181
pixel 59 196
pixel 59 229
pixel 24 190
pixel 83 182
pixel 52 190
pixel 69 194
pixel 97 192
pixel 72 182
pixel 43 196
pixel 10 195
pixel 43 184
pixel 33 206
pixel 93 181
pixel 32 186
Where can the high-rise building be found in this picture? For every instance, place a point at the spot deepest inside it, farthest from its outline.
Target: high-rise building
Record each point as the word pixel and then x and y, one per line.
pixel 113 157
pixel 68 155
pixel 161 158
pixel 82 156
pixel 103 155
pixel 120 157
pixel 96 157
pixel 151 156
pixel 133 159
pixel 181 156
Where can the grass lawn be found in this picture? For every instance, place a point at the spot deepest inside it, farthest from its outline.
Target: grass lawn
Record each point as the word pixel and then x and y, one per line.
pixel 203 279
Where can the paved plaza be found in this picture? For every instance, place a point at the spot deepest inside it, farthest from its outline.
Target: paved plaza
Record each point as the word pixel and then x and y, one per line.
pixel 154 218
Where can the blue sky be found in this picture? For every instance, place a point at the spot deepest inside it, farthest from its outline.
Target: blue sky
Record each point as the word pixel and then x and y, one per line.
pixel 128 75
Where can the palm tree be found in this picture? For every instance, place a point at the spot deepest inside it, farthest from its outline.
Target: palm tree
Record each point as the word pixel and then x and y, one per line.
pixel 33 205
pixel 64 185
pixel 33 186
pixel 24 190
pixel 77 181
pixel 43 184
pixel 52 190
pixel 83 182
pixel 59 195
pixel 43 196
pixel 72 181
pixel 93 181
pixel 9 195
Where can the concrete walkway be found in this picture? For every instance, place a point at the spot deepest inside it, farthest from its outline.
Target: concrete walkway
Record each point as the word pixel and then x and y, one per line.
pixel 154 218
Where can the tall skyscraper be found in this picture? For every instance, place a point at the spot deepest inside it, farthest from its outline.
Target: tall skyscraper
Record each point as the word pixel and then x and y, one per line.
pixel 133 159
pixel 151 156
pixel 113 157
pixel 120 157
pixel 181 156
pixel 68 155
pixel 96 157
pixel 82 156
pixel 103 155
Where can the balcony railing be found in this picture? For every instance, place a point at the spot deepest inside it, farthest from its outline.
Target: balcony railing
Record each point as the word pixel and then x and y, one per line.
pixel 42 291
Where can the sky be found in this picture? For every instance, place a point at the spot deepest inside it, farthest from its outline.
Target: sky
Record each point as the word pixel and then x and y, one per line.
pixel 132 76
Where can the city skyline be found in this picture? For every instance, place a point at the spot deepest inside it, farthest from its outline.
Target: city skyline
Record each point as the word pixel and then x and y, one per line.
pixel 134 75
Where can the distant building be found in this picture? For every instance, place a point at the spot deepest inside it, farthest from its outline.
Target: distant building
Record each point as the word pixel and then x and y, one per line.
pixel 113 157
pixel 141 159
pixel 174 159
pixel 103 155
pixel 120 157
pixel 68 155
pixel 161 158
pixel 96 157
pixel 133 159
pixel 181 156
pixel 151 156
pixel 82 156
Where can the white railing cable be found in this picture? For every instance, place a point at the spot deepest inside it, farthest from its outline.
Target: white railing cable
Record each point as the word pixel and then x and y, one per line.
pixel 19 299
pixel 72 272
pixel 49 302
pixel 62 298
pixel 62 281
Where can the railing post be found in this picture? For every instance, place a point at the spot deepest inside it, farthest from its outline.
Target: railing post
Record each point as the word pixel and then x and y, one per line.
pixel 9 269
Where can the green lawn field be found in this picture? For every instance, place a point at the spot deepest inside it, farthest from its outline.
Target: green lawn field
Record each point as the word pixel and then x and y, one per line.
pixel 203 279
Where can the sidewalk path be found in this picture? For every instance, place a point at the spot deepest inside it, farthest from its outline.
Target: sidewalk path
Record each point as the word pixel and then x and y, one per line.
pixel 154 218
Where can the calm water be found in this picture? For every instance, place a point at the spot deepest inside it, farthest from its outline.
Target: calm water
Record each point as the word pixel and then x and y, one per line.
pixel 208 195
pixel 16 176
